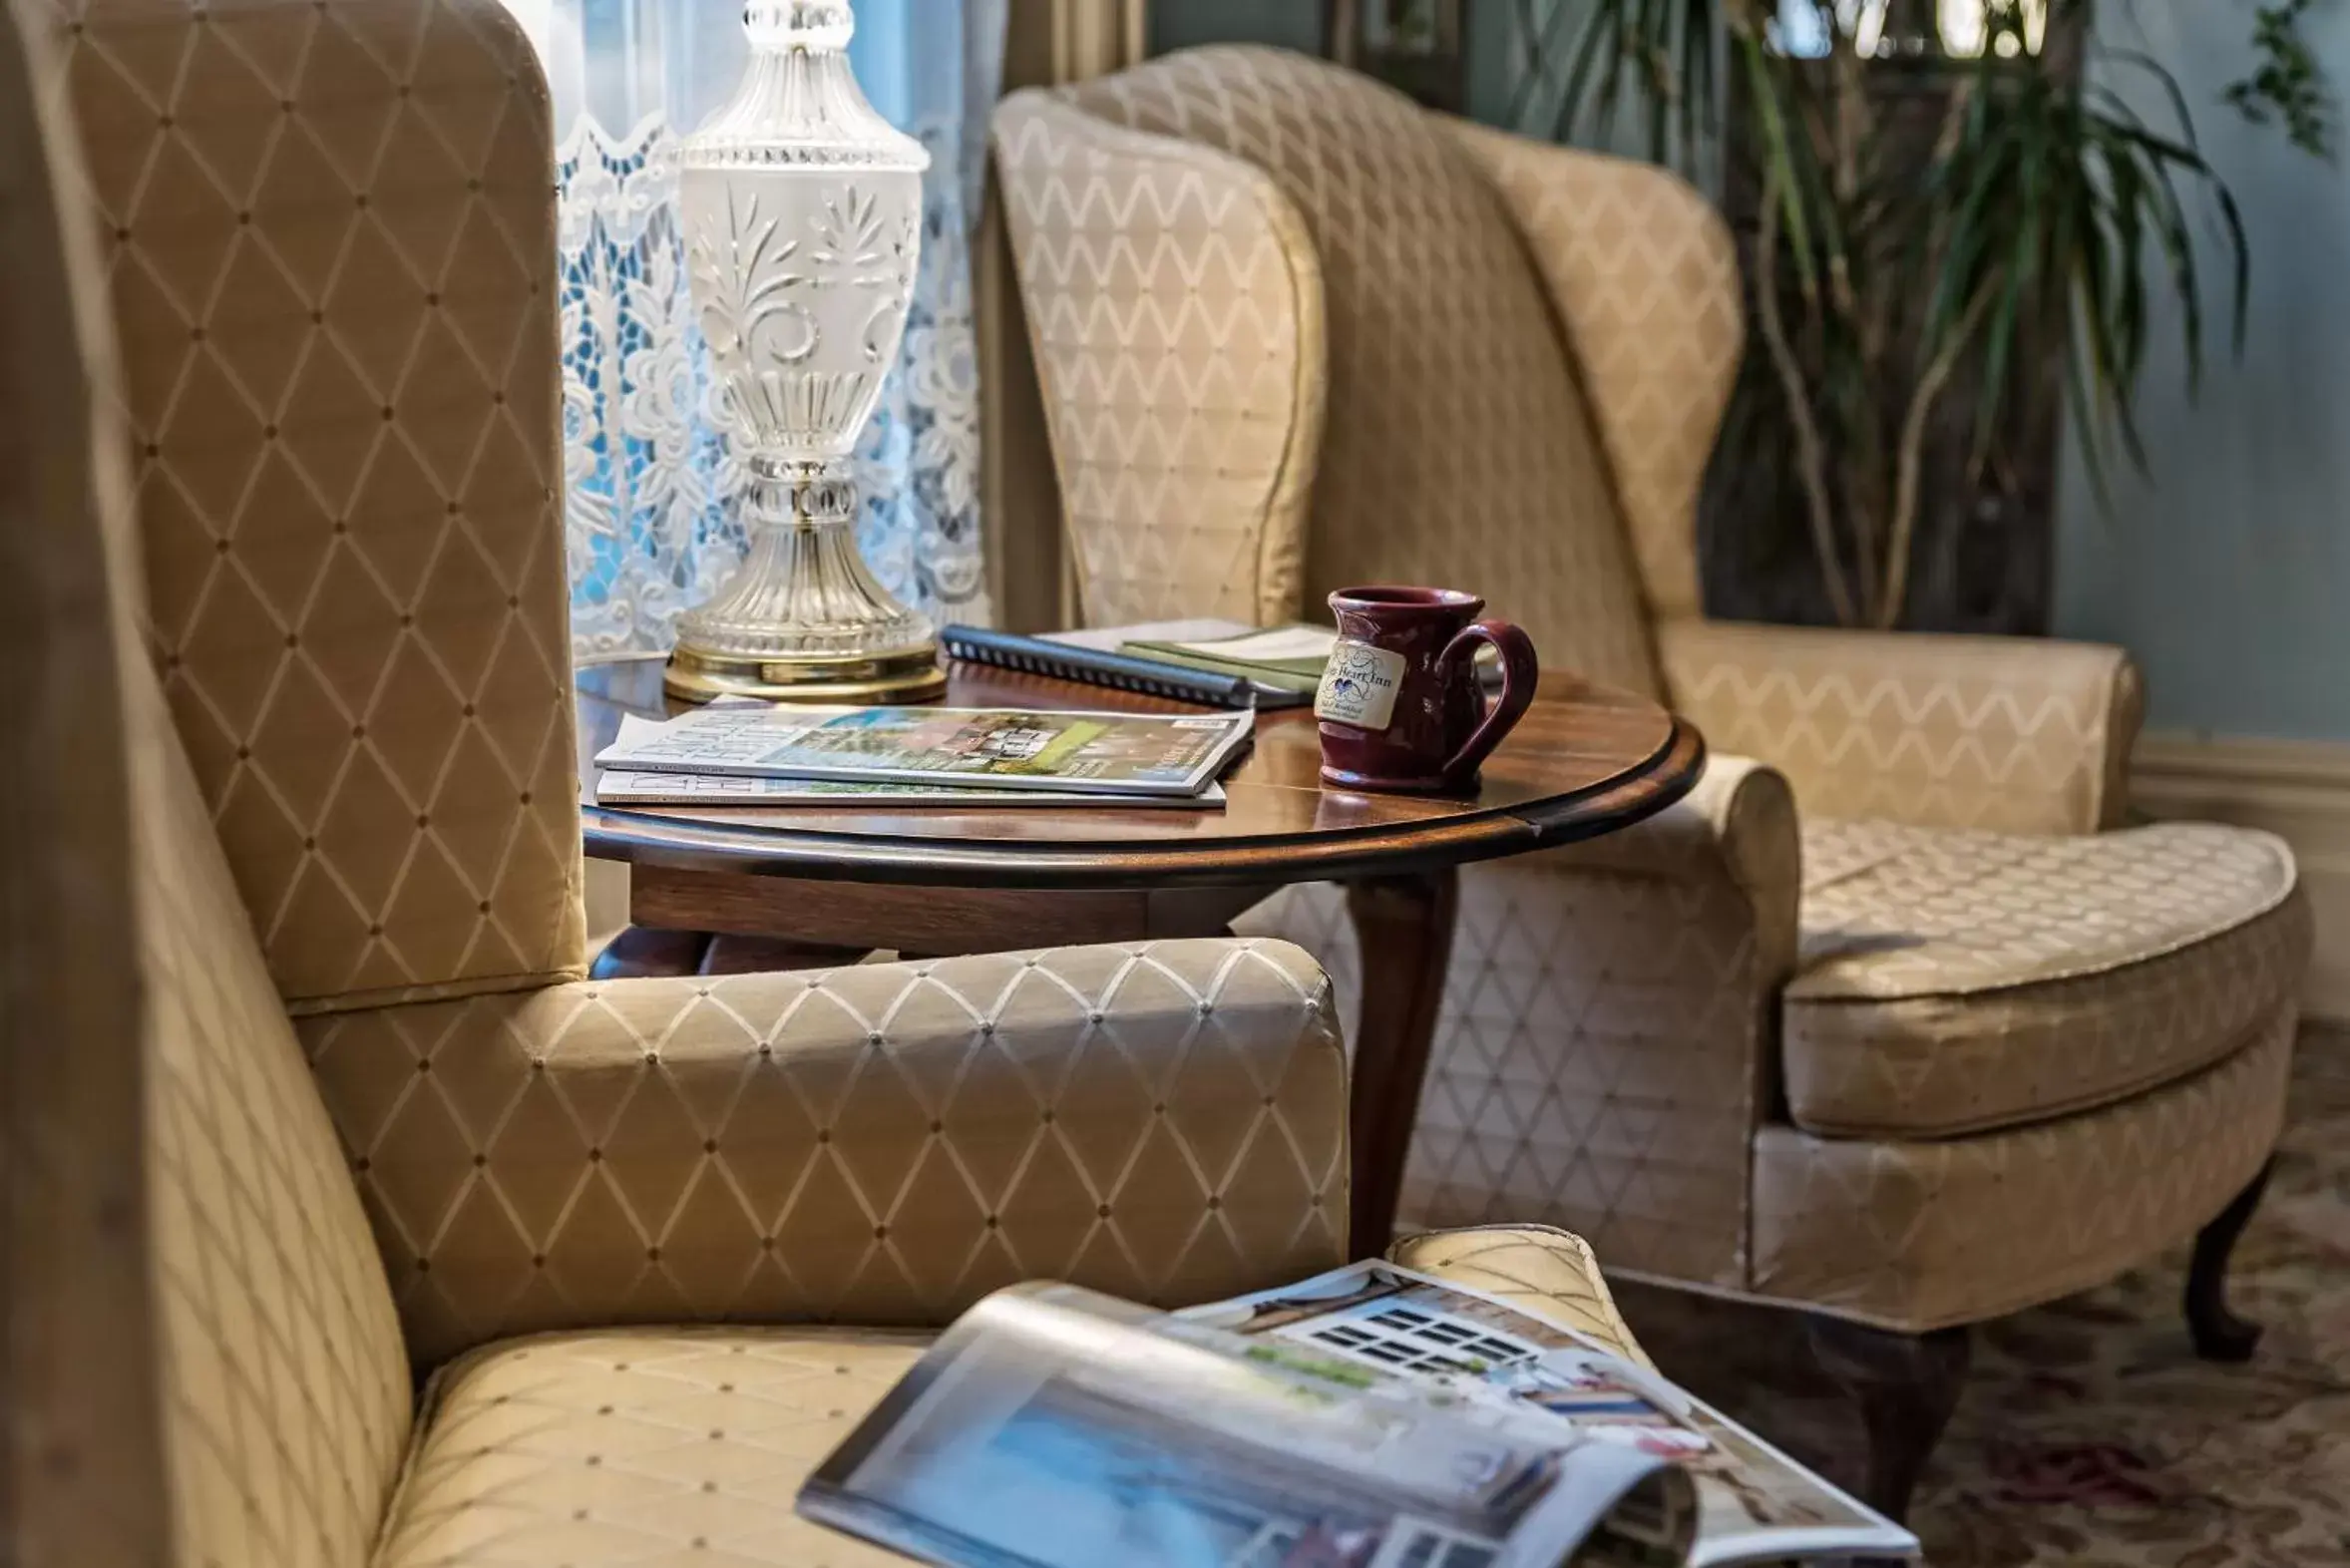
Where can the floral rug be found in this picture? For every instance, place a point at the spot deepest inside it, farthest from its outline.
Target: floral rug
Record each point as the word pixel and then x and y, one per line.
pixel 2090 1435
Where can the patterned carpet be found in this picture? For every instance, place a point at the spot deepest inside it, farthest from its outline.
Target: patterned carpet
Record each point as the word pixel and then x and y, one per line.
pixel 2090 1435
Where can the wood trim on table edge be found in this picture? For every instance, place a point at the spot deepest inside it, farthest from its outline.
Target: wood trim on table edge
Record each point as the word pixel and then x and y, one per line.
pixel 647 839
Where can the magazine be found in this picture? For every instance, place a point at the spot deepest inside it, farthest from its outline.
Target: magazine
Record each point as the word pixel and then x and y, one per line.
pixel 1084 753
pixel 623 787
pixel 1370 1418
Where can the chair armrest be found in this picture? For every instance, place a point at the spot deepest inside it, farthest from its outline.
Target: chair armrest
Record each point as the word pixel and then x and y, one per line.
pixel 2017 734
pixel 1549 1271
pixel 1643 273
pixel 1174 306
pixel 1606 1047
pixel 880 1144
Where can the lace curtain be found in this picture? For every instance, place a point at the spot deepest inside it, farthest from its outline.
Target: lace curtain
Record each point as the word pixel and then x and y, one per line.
pixel 652 482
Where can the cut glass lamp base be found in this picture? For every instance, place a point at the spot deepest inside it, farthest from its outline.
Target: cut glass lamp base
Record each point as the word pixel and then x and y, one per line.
pixel 803 620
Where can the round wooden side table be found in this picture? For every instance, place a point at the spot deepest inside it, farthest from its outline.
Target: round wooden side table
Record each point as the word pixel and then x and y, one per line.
pixel 817 885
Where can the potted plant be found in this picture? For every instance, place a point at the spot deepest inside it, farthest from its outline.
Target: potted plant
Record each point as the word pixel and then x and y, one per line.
pixel 1951 231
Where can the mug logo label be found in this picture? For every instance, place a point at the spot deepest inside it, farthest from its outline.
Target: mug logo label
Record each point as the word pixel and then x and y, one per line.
pixel 1359 685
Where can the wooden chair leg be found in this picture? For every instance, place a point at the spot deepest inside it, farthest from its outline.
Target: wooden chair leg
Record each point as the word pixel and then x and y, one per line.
pixel 645 951
pixel 2219 1335
pixel 1905 1387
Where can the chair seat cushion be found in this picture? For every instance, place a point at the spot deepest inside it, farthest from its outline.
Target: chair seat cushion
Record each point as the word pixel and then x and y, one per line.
pixel 635 1446
pixel 1956 981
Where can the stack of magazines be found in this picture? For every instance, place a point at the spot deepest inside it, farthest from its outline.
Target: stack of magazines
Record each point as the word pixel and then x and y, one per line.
pixel 1370 1418
pixel 755 754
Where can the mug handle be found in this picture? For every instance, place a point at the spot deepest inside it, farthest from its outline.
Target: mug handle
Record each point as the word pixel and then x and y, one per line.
pixel 1519 673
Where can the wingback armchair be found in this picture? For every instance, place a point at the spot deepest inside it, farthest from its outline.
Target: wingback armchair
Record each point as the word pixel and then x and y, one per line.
pixel 1892 1020
pixel 305 1097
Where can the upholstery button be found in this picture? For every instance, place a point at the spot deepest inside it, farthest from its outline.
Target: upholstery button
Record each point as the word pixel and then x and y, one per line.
pixel 1103 1211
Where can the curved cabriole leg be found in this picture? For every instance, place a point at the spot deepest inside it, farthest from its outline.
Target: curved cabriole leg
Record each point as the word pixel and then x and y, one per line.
pixel 1906 1386
pixel 2219 1335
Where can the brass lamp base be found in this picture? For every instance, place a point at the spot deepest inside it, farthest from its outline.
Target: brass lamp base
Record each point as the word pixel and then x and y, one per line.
pixel 912 675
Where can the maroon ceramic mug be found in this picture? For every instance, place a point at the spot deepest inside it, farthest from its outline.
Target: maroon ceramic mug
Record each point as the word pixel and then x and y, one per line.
pixel 1399 704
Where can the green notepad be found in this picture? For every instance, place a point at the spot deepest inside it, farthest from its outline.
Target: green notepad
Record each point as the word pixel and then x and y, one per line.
pixel 1289 657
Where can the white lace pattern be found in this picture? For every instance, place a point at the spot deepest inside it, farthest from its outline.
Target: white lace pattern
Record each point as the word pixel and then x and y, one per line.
pixel 652 485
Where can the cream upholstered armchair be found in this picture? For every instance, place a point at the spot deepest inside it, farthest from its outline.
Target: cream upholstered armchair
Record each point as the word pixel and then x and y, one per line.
pixel 1886 1021
pixel 305 1094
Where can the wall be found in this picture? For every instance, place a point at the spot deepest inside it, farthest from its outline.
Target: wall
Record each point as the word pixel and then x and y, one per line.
pixel 2227 566
pixel 1180 24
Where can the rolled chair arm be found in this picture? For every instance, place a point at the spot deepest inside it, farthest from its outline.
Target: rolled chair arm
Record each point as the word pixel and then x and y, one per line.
pixel 880 1145
pixel 2016 734
pixel 1643 967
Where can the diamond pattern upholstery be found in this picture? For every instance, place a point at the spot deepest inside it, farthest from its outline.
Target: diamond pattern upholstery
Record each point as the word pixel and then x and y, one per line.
pixel 883 1144
pixel 328 233
pixel 207 1363
pixel 1652 1039
pixel 685 1445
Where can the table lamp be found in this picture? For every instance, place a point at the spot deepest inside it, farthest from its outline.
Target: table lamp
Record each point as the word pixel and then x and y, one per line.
pixel 803 217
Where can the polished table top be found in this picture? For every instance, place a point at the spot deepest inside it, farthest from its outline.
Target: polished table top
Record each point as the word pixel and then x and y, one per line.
pixel 1586 760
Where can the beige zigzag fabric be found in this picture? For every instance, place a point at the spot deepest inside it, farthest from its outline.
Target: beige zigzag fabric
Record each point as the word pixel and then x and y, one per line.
pixel 1919 1235
pixel 1457 446
pixel 329 236
pixel 687 1446
pixel 2010 735
pixel 1644 277
pixel 1175 312
pixel 1603 1049
pixel 880 1144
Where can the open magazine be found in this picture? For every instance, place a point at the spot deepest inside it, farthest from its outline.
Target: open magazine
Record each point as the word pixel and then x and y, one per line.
pixel 1370 1418
pixel 985 748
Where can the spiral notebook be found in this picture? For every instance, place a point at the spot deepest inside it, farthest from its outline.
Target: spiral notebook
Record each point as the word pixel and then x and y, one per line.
pixel 1061 658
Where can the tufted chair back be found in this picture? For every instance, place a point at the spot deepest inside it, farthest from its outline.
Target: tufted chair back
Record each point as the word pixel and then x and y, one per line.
pixel 328 233
pixel 180 1219
pixel 1459 444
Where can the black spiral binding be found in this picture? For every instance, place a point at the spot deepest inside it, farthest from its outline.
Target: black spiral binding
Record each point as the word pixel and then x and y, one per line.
pixel 1092 667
